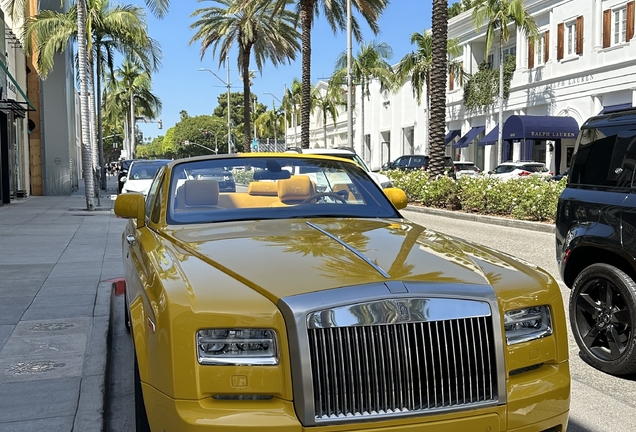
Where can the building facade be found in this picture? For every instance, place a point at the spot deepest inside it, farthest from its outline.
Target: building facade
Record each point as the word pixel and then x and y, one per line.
pixel 14 106
pixel 583 63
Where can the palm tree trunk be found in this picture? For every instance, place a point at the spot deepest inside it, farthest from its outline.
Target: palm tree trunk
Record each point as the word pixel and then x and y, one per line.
pixel 132 125
pixel 439 70
pixel 324 127
pixel 501 100
pixel 100 140
pixel 306 18
pixel 247 103
pixel 87 166
pixel 94 152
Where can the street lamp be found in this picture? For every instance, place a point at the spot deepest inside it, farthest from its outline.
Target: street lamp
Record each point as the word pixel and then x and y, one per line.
pixel 284 119
pixel 349 82
pixel 228 84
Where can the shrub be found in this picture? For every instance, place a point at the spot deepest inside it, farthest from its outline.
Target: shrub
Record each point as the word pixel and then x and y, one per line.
pixel 529 198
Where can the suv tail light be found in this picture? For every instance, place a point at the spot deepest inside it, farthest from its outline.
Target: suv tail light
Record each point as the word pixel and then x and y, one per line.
pixel 524 173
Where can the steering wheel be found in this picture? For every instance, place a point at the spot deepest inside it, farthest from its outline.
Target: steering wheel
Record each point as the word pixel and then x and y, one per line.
pixel 334 195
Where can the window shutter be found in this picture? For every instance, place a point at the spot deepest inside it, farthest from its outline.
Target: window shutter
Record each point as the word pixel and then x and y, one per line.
pixel 630 21
pixel 579 35
pixel 607 28
pixel 530 54
pixel 451 79
pixel 560 32
pixel 546 46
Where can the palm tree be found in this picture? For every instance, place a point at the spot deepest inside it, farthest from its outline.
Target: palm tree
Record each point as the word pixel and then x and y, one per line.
pixel 369 64
pixel 328 102
pixel 437 112
pixel 129 95
pixel 120 28
pixel 255 33
pixel 417 66
pixel 335 11
pixel 500 15
pixel 292 100
pixel 19 9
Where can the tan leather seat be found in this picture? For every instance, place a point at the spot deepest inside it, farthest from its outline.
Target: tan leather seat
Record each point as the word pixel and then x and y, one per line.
pixel 294 190
pixel 198 194
pixel 263 188
pixel 343 187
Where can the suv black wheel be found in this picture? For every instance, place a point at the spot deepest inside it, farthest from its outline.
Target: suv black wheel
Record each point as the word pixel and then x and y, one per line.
pixel 603 318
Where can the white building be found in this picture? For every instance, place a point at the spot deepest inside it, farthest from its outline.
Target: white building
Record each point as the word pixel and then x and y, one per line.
pixel 583 63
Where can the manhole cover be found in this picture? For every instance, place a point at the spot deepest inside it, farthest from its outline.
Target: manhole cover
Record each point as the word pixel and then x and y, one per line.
pixel 51 326
pixel 34 367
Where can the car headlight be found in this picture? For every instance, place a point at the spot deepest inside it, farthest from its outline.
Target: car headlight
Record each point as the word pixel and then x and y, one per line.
pixel 523 325
pixel 386 184
pixel 237 347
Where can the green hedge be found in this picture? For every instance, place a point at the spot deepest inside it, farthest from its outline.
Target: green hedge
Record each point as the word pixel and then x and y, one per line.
pixel 529 198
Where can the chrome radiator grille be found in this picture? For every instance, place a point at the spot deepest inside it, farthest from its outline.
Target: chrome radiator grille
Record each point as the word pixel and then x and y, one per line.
pixel 405 367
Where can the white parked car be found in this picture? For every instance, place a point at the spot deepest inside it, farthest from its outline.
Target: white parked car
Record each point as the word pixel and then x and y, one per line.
pixel 464 168
pixel 512 170
pixel 140 175
pixel 382 180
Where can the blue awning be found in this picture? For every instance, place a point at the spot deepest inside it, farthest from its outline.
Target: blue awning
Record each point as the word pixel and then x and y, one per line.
pixel 490 138
pixel 469 137
pixel 614 108
pixel 521 127
pixel 451 135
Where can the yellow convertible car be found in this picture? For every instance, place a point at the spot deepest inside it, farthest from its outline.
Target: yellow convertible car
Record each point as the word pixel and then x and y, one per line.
pixel 304 301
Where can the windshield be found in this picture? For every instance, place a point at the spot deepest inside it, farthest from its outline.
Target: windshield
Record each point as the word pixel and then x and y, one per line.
pixel 275 187
pixel 145 170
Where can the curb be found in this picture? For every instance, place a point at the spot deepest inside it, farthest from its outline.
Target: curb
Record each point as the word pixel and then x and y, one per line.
pixel 491 220
pixel 93 387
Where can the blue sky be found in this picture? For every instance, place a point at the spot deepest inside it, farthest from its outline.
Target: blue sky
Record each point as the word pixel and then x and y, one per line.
pixel 181 86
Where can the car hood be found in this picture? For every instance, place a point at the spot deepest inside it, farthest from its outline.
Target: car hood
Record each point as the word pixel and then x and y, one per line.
pixel 140 186
pixel 281 258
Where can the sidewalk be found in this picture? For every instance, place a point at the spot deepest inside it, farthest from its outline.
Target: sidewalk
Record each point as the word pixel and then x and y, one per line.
pixel 56 260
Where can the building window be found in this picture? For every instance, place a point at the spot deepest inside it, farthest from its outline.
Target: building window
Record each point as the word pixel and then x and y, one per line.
pixel 570 31
pixel 620 25
pixel 570 38
pixel 540 50
pixel 491 60
pixel 510 51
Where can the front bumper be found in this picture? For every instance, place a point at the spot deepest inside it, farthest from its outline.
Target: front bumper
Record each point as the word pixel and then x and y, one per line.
pixel 538 401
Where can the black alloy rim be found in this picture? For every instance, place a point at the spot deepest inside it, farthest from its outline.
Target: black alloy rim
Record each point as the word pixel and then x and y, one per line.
pixel 603 319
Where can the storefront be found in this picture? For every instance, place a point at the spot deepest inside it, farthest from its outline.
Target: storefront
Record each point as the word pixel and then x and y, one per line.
pixel 14 105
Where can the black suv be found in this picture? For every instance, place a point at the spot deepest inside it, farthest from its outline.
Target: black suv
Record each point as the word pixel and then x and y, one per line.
pixel 413 162
pixel 596 241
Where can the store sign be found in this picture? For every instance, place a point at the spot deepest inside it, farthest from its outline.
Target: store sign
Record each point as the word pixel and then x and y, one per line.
pixel 574 81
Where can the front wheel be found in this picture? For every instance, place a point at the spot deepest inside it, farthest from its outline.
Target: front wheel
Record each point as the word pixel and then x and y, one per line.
pixel 603 318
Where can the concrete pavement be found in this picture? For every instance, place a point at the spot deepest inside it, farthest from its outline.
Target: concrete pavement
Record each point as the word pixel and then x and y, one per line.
pixel 57 262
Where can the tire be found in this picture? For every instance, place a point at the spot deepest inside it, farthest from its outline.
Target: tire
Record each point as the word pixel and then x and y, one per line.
pixel 603 318
pixel 141 417
pixel 126 315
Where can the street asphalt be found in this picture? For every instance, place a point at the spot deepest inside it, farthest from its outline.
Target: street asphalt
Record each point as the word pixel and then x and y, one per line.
pixel 58 267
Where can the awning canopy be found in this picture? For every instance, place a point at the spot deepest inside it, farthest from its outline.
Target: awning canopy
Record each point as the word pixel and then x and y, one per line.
pixel 10 104
pixel 521 127
pixel 614 108
pixel 490 138
pixel 451 135
pixel 469 137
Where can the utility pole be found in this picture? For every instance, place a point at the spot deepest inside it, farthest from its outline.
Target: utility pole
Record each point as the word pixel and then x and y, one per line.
pixel 228 84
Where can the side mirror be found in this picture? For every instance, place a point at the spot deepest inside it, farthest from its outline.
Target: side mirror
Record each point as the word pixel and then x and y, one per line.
pixel 131 206
pixel 397 197
pixel 123 179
